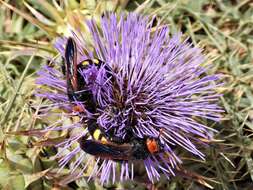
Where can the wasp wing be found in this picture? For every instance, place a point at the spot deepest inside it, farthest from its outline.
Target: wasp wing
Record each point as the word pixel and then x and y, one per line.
pixel 70 68
pixel 106 150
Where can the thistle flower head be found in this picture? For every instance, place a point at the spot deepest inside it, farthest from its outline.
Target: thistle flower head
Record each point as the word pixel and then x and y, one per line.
pixel 156 87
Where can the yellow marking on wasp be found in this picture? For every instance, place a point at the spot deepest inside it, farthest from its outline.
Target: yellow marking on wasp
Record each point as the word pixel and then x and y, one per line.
pixel 96 61
pixel 96 134
pixel 103 140
pixel 85 63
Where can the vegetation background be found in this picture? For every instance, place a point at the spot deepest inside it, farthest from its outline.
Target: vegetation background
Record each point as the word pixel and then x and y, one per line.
pixel 223 28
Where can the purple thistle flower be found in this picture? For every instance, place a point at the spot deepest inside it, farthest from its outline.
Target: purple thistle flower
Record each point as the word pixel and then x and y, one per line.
pixel 157 87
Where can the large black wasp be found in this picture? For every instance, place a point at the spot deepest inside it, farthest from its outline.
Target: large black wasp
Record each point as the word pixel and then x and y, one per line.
pixel 99 145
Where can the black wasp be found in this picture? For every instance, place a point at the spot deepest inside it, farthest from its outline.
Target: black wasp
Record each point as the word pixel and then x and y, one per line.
pixel 77 89
pixel 99 145
pixel 136 149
